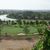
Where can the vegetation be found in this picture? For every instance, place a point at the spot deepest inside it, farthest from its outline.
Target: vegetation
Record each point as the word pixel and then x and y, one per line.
pixel 25 24
pixel 35 15
pixel 13 28
pixel 39 45
pixel 26 30
pixel 46 45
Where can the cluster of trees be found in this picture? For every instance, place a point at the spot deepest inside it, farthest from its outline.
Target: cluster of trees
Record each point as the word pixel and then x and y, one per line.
pixel 27 14
pixel 7 22
pixel 25 24
pixel 30 15
pixel 45 43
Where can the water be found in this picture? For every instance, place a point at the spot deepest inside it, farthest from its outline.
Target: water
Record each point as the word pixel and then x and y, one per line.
pixel 5 18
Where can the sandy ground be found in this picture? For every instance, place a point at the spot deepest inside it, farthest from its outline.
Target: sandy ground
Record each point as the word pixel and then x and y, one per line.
pixel 16 45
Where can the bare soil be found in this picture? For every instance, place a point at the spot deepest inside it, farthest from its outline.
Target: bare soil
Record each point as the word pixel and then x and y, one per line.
pixel 22 44
pixel 16 44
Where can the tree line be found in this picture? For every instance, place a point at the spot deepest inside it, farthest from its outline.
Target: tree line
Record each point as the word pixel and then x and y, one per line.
pixel 30 15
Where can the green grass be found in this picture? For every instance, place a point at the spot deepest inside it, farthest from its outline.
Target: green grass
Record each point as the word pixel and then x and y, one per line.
pixel 33 29
pixel 15 30
pixel 11 30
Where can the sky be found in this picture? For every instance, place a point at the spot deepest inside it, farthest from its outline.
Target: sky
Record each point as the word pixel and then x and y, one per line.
pixel 25 4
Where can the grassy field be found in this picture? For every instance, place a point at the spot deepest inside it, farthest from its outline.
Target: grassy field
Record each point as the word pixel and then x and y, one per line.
pixel 12 30
pixel 16 29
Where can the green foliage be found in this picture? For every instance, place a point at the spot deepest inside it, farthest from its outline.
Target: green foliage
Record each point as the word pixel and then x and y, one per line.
pixel 26 30
pixel 46 44
pixel 37 22
pixel 24 22
pixel 39 45
pixel 39 30
pixel 0 21
pixel 32 23
pixel 49 22
pixel 28 15
pixel 19 22
pixel 1 27
pixel 13 23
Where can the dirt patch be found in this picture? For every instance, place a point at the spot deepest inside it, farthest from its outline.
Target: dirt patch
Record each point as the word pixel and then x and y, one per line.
pixel 16 45
pixel 23 43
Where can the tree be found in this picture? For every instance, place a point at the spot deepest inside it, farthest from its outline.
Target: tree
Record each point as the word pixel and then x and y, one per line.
pixel 39 45
pixel 0 31
pixel 7 22
pixel 26 30
pixel 37 22
pixel 46 44
pixel 13 22
pixel 43 22
pixel 31 23
pixel 19 21
pixel 24 22
pixel 49 22
pixel 27 22
pixel 40 30
pixel 0 21
pixel 1 27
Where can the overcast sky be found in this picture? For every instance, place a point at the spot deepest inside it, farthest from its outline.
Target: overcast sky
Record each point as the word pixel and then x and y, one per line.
pixel 25 4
